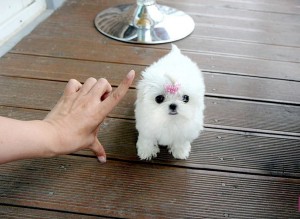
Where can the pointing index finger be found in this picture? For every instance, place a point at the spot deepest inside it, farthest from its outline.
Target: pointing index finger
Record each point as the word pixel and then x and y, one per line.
pixel 116 96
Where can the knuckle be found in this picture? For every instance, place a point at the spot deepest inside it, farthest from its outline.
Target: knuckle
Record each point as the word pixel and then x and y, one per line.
pixel 92 79
pixel 117 96
pixel 72 86
pixel 73 81
pixel 103 81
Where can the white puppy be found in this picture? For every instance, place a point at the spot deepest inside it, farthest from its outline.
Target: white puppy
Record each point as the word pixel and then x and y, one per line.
pixel 169 106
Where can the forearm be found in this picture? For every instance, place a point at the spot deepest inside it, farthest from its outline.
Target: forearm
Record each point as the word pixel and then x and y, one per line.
pixel 72 125
pixel 24 139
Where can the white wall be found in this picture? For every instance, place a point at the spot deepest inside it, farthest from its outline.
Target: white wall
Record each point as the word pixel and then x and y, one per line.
pixel 10 8
pixel 19 17
pixel 16 14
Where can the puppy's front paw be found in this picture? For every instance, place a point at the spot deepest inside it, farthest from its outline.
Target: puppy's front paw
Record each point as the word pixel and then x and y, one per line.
pixel 146 149
pixel 180 151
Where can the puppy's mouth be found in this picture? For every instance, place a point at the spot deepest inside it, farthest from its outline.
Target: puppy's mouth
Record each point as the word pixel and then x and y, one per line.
pixel 173 113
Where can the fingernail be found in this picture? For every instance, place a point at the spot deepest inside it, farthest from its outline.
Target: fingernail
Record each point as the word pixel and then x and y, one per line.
pixel 102 159
pixel 130 75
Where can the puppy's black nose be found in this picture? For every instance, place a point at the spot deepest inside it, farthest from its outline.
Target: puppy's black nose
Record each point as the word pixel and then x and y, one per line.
pixel 173 107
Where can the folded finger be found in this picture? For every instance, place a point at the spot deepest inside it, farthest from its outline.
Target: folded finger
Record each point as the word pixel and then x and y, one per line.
pixel 72 87
pixel 87 86
pixel 101 89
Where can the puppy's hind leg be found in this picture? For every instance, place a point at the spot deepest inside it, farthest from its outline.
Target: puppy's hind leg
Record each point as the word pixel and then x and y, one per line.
pixel 146 148
pixel 180 151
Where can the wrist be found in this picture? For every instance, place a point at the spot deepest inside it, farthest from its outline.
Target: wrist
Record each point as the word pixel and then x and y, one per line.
pixel 48 138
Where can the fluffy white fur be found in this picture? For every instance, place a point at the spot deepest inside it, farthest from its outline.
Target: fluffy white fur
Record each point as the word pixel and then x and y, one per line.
pixel 157 123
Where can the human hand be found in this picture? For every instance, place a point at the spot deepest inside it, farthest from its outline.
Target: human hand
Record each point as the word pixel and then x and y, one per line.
pixel 75 119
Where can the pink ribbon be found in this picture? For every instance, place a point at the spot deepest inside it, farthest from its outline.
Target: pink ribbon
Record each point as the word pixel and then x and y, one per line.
pixel 172 88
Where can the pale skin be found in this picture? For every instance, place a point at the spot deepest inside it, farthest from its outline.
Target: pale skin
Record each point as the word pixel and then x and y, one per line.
pixel 72 124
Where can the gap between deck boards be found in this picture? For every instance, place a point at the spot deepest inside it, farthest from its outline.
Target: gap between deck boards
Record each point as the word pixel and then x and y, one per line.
pixel 214 150
pixel 208 190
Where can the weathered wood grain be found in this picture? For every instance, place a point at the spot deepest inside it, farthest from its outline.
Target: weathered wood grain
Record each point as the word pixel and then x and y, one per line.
pixel 214 149
pixel 33 213
pixel 94 51
pixel 211 54
pixel 219 113
pixel 207 27
pixel 244 165
pixel 195 44
pixel 195 7
pixel 208 17
pixel 134 190
pixel 218 85
pixel 286 7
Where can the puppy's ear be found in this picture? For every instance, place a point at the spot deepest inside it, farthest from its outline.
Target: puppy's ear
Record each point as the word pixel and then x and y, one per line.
pixel 175 49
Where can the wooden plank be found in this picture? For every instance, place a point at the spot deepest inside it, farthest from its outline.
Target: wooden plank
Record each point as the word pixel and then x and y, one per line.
pixel 222 85
pixel 88 13
pixel 286 7
pixel 252 116
pixel 137 55
pixel 199 8
pixel 208 24
pixel 237 14
pixel 244 4
pixel 211 49
pixel 215 149
pixel 240 19
pixel 122 189
pixel 33 213
pixel 51 68
pixel 252 122
pixel 270 52
pixel 248 24
pixel 23 114
pixel 241 49
pixel 227 32
pixel 262 89
pixel 207 27
pixel 204 45
pixel 234 114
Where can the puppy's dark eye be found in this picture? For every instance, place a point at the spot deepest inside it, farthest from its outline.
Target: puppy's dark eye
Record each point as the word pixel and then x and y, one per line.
pixel 159 99
pixel 185 98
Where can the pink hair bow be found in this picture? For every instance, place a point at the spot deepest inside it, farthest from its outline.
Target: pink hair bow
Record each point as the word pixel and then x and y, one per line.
pixel 172 88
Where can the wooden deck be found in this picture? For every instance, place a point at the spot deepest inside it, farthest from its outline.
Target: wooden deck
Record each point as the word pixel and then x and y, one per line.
pixel 246 164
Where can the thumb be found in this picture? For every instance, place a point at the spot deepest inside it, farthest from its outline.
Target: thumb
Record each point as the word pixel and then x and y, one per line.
pixel 98 150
